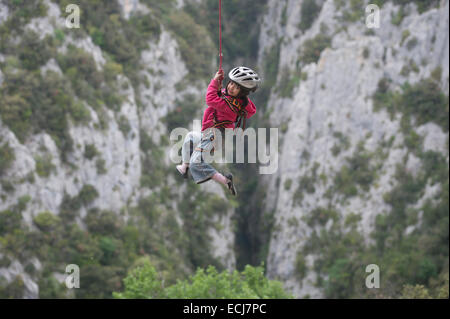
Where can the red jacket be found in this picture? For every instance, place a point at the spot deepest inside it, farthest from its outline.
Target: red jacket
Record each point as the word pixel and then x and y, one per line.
pixel 223 112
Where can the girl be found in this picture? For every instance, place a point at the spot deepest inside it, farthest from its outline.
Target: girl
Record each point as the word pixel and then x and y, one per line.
pixel 227 108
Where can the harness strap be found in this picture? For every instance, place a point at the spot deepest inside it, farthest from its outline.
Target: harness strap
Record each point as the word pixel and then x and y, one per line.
pixel 220 124
pixel 236 107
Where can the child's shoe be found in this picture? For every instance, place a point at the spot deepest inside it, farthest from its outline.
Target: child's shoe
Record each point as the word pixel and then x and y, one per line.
pixel 180 170
pixel 230 184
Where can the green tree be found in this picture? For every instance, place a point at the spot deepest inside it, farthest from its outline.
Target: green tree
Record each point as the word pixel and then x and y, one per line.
pixel 144 282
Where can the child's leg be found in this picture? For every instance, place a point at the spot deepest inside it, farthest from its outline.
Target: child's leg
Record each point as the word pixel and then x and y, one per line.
pixel 190 141
pixel 220 178
pixel 226 181
pixel 202 171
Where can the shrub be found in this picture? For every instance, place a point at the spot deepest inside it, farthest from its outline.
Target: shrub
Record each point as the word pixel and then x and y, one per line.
pixel 102 222
pixel 343 143
pixel 183 114
pixel 32 101
pixel 424 100
pixel 51 288
pixel 79 112
pixel 124 125
pixel 112 70
pixel 7 157
pixel 397 18
pixel 306 184
pixel 415 292
pixel 90 151
pixel 320 216
pixel 144 282
pixel 411 44
pixel 14 290
pixel 87 194
pixel 288 83
pixel 195 44
pixel 22 203
pixel 358 171
pixel 312 49
pixel 44 166
pixel 46 221
pixel 309 12
pixel 33 52
pixel 21 12
pixel 69 207
pixel 80 68
pixel 301 269
pixel 100 165
pixel 16 113
pixel 287 184
pixel 422 5
pixel 353 14
pixel 9 220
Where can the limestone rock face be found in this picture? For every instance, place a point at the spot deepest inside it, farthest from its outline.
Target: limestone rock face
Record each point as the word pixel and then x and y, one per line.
pixel 335 95
pixel 120 186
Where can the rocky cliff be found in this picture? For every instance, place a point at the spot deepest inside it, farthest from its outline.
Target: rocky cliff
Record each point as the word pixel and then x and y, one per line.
pixel 118 159
pixel 86 115
pixel 332 126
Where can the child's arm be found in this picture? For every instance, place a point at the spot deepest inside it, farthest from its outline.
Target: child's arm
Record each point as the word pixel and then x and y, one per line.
pixel 250 108
pixel 212 98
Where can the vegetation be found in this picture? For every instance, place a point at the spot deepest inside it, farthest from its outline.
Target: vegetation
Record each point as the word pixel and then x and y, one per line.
pixel 7 157
pixel 110 246
pixel 144 282
pixel 100 165
pixel 44 166
pixel 410 240
pixel 183 113
pixel 20 13
pixel 358 171
pixel 308 13
pixel 306 185
pixel 32 103
pixel 244 15
pixel 422 5
pixel 343 143
pixel 424 102
pixel 301 269
pixel 195 44
pixel 351 10
pixel 290 81
pixel 270 71
pixel 414 262
pixel 90 151
pixel 312 48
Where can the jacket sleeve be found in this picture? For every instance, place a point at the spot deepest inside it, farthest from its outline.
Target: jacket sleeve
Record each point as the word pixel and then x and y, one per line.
pixel 213 100
pixel 251 109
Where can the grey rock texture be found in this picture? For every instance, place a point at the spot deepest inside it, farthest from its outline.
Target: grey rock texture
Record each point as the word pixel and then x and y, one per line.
pixel 337 97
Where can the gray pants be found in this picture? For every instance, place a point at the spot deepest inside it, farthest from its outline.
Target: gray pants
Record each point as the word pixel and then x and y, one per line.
pixel 201 171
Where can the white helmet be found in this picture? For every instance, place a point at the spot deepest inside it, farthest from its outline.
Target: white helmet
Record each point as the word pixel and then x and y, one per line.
pixel 245 77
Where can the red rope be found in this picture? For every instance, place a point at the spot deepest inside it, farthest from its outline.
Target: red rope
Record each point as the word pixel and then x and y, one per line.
pixel 220 34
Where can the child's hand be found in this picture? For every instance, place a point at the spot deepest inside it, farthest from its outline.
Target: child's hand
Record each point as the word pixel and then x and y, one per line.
pixel 219 76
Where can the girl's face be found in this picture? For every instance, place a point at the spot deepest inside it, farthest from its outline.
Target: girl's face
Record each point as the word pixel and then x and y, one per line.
pixel 233 89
